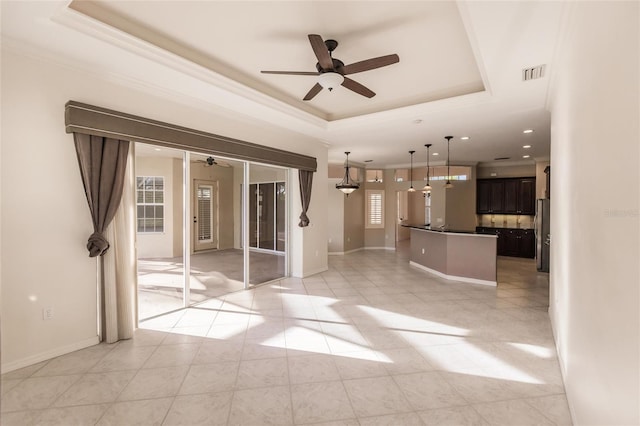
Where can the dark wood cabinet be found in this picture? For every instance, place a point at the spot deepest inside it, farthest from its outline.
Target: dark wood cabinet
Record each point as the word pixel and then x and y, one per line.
pixel 490 196
pixel 527 244
pixel 527 196
pixel 501 239
pixel 511 192
pixel 497 196
pixel 512 242
pixel 483 197
pixel 506 196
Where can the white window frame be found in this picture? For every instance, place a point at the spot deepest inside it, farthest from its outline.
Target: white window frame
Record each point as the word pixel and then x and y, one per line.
pixel 151 204
pixel 369 222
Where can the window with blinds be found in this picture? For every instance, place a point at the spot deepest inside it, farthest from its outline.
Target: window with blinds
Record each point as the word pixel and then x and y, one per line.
pixel 374 208
pixel 150 203
pixel 205 210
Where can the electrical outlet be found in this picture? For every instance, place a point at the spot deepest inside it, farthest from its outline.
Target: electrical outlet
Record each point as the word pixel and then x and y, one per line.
pixel 348 239
pixel 422 251
pixel 47 313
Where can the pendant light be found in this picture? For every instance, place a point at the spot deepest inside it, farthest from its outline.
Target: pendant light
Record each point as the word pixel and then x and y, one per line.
pixel 427 187
pixel 448 184
pixel 411 188
pixel 347 185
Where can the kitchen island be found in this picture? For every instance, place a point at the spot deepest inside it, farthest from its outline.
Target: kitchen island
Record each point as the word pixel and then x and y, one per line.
pixel 455 255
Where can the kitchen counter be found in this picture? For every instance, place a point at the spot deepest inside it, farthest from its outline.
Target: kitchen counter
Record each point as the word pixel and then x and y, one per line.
pixel 455 255
pixel 438 229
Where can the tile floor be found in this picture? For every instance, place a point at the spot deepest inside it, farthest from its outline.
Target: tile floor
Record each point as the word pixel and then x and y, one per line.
pixel 372 341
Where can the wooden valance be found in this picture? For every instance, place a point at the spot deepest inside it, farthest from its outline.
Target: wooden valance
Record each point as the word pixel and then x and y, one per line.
pixel 93 120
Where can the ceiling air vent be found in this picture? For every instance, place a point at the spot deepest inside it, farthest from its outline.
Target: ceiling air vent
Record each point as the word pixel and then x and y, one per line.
pixel 501 158
pixel 533 73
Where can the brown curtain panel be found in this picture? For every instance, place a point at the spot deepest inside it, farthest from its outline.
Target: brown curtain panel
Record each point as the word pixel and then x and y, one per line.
pixel 102 164
pixel 306 180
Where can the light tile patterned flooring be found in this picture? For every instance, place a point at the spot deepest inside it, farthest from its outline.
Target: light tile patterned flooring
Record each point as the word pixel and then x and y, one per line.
pixel 372 341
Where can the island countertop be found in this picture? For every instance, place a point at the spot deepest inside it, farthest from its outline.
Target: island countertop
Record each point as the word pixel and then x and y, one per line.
pixel 446 230
pixel 459 256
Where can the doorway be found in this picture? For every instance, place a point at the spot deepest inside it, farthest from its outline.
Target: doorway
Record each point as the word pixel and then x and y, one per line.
pixel 205 215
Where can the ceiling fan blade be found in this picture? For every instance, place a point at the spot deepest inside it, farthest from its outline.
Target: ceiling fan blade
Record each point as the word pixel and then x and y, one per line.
pixel 371 64
pixel 313 92
pixel 358 88
pixel 291 72
pixel 321 51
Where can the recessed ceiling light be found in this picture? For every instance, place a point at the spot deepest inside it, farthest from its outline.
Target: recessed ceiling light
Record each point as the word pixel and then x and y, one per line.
pixel 417 121
pixel 435 153
pixel 526 146
pixel 526 156
pixel 465 138
pixel 528 131
pixel 157 149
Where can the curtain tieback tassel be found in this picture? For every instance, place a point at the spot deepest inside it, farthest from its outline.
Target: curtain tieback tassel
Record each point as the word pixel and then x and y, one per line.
pixel 97 244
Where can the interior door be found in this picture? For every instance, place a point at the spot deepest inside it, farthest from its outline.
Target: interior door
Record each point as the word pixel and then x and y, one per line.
pixel 205 215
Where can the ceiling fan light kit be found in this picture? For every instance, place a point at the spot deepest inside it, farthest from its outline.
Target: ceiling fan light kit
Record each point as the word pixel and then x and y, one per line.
pixel 331 72
pixel 329 80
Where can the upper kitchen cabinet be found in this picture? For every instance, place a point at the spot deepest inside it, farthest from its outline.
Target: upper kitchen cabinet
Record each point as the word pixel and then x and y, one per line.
pixel 490 196
pixel 519 196
pixel 506 196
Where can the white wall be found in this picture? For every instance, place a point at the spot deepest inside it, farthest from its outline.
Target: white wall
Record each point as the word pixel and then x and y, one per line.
pixel 45 218
pixel 335 216
pixel 594 212
pixel 354 220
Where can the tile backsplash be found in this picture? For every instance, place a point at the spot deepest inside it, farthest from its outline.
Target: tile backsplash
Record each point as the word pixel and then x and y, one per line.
pixel 505 221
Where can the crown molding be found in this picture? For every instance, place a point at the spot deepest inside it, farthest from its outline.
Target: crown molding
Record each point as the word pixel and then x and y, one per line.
pixel 246 100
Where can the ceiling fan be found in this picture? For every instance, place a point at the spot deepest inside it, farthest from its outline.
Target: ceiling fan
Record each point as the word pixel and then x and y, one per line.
pixel 210 161
pixel 332 72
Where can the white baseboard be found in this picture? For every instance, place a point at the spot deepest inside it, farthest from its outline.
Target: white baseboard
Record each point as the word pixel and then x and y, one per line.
pixel 563 371
pixel 44 356
pixel 453 277
pixel 380 248
pixel 341 253
pixel 315 271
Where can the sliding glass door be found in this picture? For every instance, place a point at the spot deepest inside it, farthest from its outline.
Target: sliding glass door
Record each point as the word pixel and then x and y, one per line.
pixel 216 254
pixel 160 219
pixel 193 214
pixel 267 223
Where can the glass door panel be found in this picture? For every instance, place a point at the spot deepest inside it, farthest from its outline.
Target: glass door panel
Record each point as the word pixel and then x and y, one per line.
pixel 159 216
pixel 281 210
pixel 216 255
pixel 253 215
pixel 266 216
pixel 267 223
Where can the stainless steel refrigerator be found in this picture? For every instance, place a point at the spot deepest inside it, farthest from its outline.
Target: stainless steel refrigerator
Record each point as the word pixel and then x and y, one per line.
pixel 543 234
